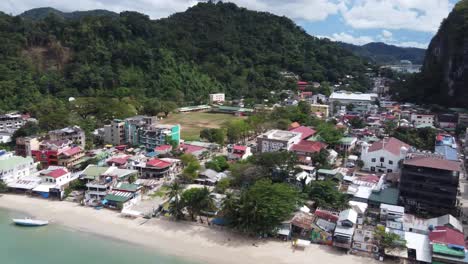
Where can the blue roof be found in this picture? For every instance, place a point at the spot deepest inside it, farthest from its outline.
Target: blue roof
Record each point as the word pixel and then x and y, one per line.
pixel 448 152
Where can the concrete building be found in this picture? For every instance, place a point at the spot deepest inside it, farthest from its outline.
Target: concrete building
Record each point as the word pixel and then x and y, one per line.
pixel 341 98
pixel 11 121
pixel 384 156
pixel 463 119
pixel 158 135
pixel 134 124
pixel 73 133
pixel 276 140
pixel 324 110
pixel 217 98
pixel 114 133
pixel 13 168
pixel 422 119
pixel 429 183
pixel 25 146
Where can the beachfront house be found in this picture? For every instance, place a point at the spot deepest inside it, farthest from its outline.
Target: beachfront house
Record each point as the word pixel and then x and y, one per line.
pixel 343 235
pixel 122 196
pixel 13 168
pixel 54 180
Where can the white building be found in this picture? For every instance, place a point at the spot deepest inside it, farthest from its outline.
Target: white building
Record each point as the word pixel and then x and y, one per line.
pixel 11 121
pixel 217 98
pixel 384 155
pixel 276 140
pixel 13 168
pixel 422 119
pixel 361 100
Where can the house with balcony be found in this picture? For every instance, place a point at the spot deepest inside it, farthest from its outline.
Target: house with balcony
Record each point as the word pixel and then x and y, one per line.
pixel 155 168
pixel 54 180
pixel 13 168
pixel 71 157
pixel 344 231
pixel 49 151
pixel 73 133
pixel 157 135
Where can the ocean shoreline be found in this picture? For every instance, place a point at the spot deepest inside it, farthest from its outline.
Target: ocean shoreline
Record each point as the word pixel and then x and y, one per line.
pixel 186 241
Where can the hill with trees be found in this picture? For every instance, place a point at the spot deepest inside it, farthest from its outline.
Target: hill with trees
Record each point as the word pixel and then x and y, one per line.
pixel 382 53
pixel 209 48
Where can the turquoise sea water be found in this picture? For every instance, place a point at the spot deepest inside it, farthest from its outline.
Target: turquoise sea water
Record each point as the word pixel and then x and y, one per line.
pixel 54 244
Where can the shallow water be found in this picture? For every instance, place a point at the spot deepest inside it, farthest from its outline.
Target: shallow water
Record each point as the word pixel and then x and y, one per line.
pixel 54 244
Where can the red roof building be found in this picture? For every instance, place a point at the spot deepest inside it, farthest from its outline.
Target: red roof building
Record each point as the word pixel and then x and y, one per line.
pixel 163 148
pixel 447 235
pixel 392 145
pixel 307 148
pixel 306 132
pixel 118 161
pixel 327 215
pixel 157 163
pixel 434 162
pixel 57 173
pixel 72 151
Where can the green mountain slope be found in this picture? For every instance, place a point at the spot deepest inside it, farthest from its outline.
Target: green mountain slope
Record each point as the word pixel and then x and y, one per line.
pixel 209 48
pixel 382 53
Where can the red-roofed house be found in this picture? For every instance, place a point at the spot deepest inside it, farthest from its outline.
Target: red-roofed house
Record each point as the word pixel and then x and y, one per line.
pixel 163 149
pixel 307 148
pixel 238 152
pixel 327 215
pixel 302 85
pixel 155 168
pixel 71 157
pixel 192 149
pixel 306 132
pixel 384 155
pixel 120 161
pixel 53 182
pixel 446 235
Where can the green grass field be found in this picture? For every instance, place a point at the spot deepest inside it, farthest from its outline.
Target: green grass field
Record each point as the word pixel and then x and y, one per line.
pixel 193 123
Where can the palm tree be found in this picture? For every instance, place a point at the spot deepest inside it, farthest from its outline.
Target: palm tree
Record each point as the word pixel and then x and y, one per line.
pixel 176 204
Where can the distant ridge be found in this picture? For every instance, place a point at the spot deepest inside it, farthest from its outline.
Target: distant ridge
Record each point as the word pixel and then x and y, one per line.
pixel 382 53
pixel 43 12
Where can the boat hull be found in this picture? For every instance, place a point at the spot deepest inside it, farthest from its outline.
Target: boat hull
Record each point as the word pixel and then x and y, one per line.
pixel 28 222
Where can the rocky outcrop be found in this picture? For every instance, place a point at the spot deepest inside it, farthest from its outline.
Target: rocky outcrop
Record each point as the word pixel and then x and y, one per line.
pixel 444 76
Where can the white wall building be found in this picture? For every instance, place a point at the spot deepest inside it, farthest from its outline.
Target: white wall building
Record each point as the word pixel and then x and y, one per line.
pixel 384 155
pixel 422 119
pixel 346 98
pixel 13 168
pixel 276 140
pixel 217 98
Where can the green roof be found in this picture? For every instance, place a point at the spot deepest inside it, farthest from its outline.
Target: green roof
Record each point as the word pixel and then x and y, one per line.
pixel 127 187
pixel 116 198
pixel 444 250
pixel 234 108
pixel 347 140
pixel 386 196
pixel 92 172
pixel 329 172
pixel 316 138
pixel 12 162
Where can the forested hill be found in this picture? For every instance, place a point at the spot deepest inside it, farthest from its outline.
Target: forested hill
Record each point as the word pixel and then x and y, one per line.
pixel 382 53
pixel 43 12
pixel 444 76
pixel 209 48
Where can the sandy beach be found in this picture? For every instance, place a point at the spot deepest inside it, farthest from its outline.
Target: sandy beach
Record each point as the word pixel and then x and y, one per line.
pixel 185 240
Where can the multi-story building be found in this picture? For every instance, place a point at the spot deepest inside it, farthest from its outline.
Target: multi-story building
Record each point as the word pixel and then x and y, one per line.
pixel 341 98
pixel 277 140
pixel 422 119
pixel 157 135
pixel 217 98
pixel 114 133
pixel 49 151
pixel 11 122
pixel 133 125
pixel 13 168
pixel 346 224
pixel 429 183
pixel 73 133
pixel 71 157
pixel 25 146
pixel 384 155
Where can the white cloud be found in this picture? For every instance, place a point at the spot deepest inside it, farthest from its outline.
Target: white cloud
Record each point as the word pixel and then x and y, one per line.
pixel 361 40
pixel 419 15
pixel 387 34
pixel 348 38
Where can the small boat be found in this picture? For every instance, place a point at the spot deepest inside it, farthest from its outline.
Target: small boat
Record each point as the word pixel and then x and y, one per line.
pixel 30 222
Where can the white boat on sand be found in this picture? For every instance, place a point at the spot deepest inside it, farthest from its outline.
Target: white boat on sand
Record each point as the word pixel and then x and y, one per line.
pixel 30 222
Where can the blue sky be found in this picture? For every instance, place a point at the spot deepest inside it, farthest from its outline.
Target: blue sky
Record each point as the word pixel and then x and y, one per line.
pixel 399 22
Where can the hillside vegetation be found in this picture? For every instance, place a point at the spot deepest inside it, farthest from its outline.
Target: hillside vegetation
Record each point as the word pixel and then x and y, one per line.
pixel 182 58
